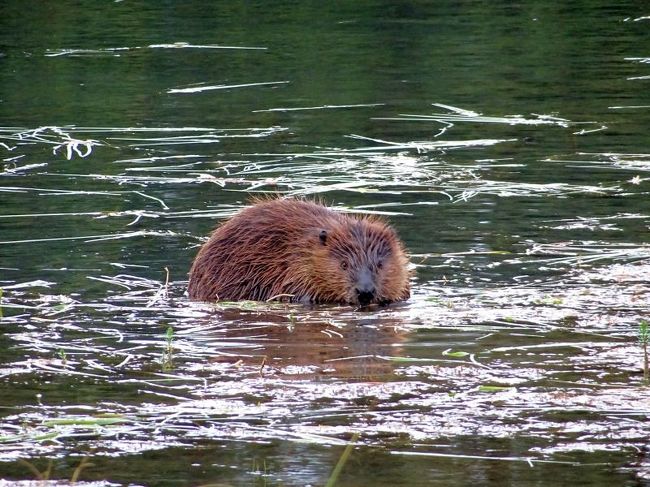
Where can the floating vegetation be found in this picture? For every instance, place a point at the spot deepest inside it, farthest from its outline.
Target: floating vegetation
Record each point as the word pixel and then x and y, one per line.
pixel 201 88
pixel 456 354
pixel 375 165
pixel 494 389
pixel 93 238
pixel 507 189
pixel 456 115
pixel 216 387
pixel 521 196
pixel 63 137
pixel 168 352
pixel 611 223
pixel 644 339
pixel 518 324
pixel 58 137
pixel 118 51
pixel 583 253
pixel 589 160
pixel 323 107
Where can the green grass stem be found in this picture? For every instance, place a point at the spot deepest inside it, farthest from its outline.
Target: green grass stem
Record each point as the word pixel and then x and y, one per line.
pixel 331 482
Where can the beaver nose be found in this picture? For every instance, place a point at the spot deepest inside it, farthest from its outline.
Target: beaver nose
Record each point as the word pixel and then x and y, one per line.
pixel 365 296
pixel 365 287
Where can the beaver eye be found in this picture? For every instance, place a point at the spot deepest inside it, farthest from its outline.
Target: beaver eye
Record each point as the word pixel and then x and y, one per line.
pixel 344 265
pixel 380 264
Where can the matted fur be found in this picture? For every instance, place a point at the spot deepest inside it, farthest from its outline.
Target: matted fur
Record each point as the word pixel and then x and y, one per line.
pixel 300 251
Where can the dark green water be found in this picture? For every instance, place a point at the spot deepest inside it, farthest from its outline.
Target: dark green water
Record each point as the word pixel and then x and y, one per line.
pixel 506 142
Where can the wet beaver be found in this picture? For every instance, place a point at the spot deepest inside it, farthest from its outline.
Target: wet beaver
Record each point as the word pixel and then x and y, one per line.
pixel 301 251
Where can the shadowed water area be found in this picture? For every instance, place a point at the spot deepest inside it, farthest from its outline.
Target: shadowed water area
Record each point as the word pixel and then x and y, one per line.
pixel 505 142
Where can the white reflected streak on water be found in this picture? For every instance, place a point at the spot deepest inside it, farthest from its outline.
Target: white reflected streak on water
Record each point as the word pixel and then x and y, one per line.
pixel 118 51
pixel 199 89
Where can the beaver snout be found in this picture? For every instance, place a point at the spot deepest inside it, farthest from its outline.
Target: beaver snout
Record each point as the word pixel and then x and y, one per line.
pixel 365 287
pixel 365 297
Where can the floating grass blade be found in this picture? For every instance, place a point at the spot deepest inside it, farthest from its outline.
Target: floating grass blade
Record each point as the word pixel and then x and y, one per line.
pixel 493 389
pixel 644 338
pixel 456 354
pixel 198 89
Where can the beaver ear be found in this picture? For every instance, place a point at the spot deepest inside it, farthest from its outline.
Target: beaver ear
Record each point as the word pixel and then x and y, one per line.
pixel 323 237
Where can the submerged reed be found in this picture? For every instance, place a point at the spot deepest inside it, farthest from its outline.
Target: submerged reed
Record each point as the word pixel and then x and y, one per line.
pixel 331 482
pixel 167 357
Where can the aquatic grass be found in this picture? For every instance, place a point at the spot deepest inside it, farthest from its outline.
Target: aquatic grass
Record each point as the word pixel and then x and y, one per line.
pixel 324 369
pixel 63 356
pixel 321 107
pixel 247 305
pixel 83 464
pixel 209 400
pixel 58 137
pixel 187 45
pixel 201 88
pixel 46 474
pixel 167 361
pixel 120 51
pixel 63 192
pixel 94 238
pixel 494 389
pixel 549 300
pixel 315 171
pixel 37 437
pixel 455 114
pixel 377 166
pixel 639 162
pixel 41 476
pixel 87 422
pixel 644 339
pixel 130 282
pixel 594 223
pixel 64 137
pixel 531 461
pixel 468 189
pixel 137 214
pixel 343 459
pixel 455 354
pixel 368 169
pixel 162 293
pixel 56 429
pixel 213 136
pixel 585 252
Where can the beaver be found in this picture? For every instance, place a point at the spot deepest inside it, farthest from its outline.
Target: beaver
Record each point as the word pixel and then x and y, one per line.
pixel 301 251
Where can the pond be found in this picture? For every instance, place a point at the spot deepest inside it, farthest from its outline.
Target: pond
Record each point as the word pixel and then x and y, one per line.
pixel 505 142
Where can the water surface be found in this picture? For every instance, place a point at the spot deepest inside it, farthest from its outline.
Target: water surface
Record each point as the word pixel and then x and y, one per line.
pixel 505 142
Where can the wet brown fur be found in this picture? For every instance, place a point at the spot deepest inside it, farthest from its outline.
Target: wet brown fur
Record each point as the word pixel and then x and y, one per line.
pixel 280 247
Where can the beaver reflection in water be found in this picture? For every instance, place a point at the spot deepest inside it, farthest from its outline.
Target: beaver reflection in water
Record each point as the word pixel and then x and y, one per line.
pixel 301 251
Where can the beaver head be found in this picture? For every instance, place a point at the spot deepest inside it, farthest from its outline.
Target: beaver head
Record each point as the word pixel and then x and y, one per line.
pixel 359 262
